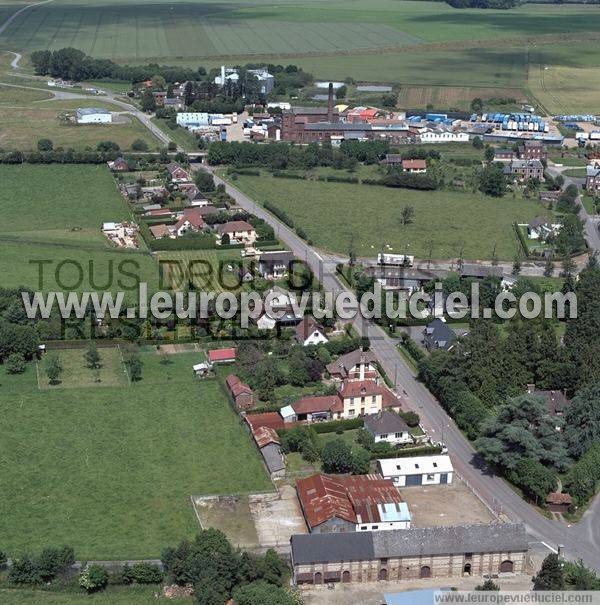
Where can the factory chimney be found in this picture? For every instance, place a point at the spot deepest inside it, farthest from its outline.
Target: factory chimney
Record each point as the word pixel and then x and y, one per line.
pixel 330 103
pixel 222 75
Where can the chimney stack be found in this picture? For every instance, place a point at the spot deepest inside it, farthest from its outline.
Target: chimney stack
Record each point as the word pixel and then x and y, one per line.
pixel 222 75
pixel 330 103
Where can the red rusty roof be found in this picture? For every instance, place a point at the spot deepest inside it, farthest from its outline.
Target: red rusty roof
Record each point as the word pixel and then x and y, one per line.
pixel 236 386
pixel 353 498
pixel 316 403
pixel 414 164
pixel 263 435
pixel 269 419
pixel 221 355
pixel 558 498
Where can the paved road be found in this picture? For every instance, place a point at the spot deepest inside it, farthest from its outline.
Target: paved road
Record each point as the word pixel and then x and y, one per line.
pixel 580 541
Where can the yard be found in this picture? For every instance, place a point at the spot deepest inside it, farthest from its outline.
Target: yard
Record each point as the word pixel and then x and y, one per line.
pixel 55 213
pixel 111 470
pixel 445 222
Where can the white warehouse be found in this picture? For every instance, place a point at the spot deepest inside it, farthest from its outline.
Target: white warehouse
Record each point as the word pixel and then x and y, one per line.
pixel 93 115
pixel 417 470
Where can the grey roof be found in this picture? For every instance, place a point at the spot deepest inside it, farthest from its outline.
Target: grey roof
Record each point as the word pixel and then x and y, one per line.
pixel 437 335
pixel 283 257
pixel 273 458
pixel 311 111
pixel 538 221
pixel 349 546
pixel 474 270
pixel 87 111
pixel 385 422
pixel 346 362
pixel 454 539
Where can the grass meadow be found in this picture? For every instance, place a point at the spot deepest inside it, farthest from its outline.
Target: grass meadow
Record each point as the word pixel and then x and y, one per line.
pixel 22 125
pixel 444 221
pixel 110 470
pixel 55 213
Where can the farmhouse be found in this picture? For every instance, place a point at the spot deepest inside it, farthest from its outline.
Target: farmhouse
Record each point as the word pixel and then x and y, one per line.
pixel 93 115
pixel 348 503
pixel 433 552
pixel 356 365
pixel 275 265
pixel 592 180
pixel 309 332
pixel 177 173
pixel 437 335
pixel 222 355
pixel 523 170
pixel 414 166
pixel 239 232
pixel 242 394
pixel 389 427
pixel 417 470
pixel 268 443
pixel 118 165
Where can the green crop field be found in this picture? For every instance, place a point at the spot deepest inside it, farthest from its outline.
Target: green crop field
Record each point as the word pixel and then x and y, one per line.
pixel 55 213
pixel 398 41
pixel 444 221
pixel 111 471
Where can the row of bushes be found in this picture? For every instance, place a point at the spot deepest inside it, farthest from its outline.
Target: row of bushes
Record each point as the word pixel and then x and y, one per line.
pixel 412 348
pixel 424 450
pixel 583 478
pixel 335 426
pixel 280 214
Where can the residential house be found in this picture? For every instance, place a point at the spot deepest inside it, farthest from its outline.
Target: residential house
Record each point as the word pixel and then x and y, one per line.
pixel 417 470
pixel 177 173
pixel 355 365
pixel 540 228
pixel 351 503
pixel 556 401
pixel 222 355
pixel 239 232
pixel 242 394
pixel 279 305
pixel 414 166
pixel 389 427
pixel 267 441
pixel 532 150
pixel 174 103
pixel 523 170
pixel 438 335
pixel 309 332
pixel 275 265
pixel 392 159
pixel 409 554
pixel 503 154
pixel 362 397
pixel 186 223
pixel 118 165
pixel 592 180
pixel 559 502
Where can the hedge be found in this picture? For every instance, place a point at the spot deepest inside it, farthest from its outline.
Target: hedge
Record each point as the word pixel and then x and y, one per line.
pixel 425 450
pixel 335 425
pixel 191 242
pixel 280 214
pixel 521 239
pixel 583 478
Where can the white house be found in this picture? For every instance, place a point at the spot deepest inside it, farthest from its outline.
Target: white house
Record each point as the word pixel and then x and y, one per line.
pixel 417 470
pixel 388 426
pixel 93 115
pixel 444 136
pixel 309 332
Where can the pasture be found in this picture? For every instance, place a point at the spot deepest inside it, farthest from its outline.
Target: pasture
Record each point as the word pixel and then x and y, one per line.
pixel 54 213
pixel 22 126
pixel 110 470
pixel 444 221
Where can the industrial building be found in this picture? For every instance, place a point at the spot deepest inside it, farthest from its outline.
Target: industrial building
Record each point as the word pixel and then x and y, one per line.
pixel 93 115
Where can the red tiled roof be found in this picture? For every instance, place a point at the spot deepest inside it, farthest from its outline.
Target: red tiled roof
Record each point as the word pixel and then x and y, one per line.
pixel 558 498
pixel 221 354
pixel 161 212
pixel 269 419
pixel 414 164
pixel 316 403
pixel 263 435
pixel 352 498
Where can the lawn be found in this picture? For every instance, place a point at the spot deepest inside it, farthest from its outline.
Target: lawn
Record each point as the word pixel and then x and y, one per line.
pixel 209 270
pixel 111 470
pixel 76 374
pixel 54 213
pixel 21 96
pixel 184 138
pixel 444 221
pixel 22 127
